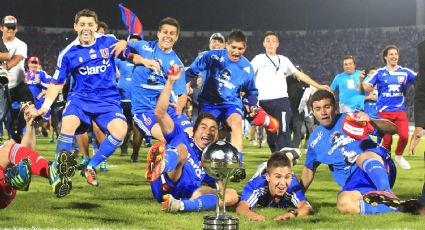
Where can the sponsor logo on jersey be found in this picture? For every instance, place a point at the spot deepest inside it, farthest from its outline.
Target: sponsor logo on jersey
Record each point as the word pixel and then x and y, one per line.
pixel 183 123
pixel 147 48
pixel 104 52
pixel 339 140
pixel 92 70
pixel 316 140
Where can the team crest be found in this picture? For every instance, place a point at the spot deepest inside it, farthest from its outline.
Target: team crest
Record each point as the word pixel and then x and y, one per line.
pixel 104 52
pixel 148 121
pixel 400 80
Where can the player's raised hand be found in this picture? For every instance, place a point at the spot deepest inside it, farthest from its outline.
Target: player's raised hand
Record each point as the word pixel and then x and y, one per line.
pixel 28 109
pixel 119 48
pixel 174 73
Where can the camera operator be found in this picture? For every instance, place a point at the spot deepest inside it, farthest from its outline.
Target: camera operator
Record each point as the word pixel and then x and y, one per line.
pixel 17 91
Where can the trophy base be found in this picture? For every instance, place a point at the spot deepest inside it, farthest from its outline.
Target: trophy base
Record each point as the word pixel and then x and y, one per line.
pixel 220 222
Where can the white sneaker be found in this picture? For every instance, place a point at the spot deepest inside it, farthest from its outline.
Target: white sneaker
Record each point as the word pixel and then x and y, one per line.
pixel 402 162
pixel 253 143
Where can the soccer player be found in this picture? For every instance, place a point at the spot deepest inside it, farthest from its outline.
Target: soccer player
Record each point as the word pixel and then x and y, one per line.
pixel 362 168
pixel 349 86
pixel 37 81
pixel 149 79
pixel 177 174
pixel 228 73
pixel 278 188
pixel 18 162
pixel 90 60
pixel 391 82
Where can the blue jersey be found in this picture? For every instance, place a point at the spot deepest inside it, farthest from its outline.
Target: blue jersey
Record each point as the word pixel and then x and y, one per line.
pixel 148 84
pixel 126 74
pixel 37 86
pixel 256 193
pixel 93 67
pixel 223 79
pixel 334 148
pixel 349 89
pixel 193 172
pixel 391 87
pixel 370 105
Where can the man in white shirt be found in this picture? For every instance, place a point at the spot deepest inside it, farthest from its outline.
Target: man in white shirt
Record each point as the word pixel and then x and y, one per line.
pixel 18 91
pixel 271 71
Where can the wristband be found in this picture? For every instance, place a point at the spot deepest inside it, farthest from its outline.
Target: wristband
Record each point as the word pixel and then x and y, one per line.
pixel 47 103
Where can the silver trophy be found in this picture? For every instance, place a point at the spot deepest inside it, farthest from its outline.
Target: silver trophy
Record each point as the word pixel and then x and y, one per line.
pixel 220 160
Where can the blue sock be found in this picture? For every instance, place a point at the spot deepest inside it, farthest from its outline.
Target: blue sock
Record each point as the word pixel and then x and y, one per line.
pixel 106 149
pixel 64 142
pixel 377 173
pixel 204 202
pixel 366 208
pixel 241 157
pixel 171 158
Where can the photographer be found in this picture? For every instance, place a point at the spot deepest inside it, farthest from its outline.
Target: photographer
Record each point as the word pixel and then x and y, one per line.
pixel 16 91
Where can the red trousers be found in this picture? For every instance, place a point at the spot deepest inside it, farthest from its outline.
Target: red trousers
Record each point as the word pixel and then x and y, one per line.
pixel 399 118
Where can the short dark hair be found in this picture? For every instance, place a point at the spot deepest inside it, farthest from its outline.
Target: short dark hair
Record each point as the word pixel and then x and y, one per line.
pixel 278 159
pixel 102 24
pixel 201 117
pixel 169 21
pixel 349 57
pixel 237 36
pixel 86 13
pixel 385 52
pixel 271 33
pixel 320 95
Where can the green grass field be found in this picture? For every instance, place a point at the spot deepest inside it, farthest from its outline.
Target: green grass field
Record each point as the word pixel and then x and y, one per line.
pixel 124 200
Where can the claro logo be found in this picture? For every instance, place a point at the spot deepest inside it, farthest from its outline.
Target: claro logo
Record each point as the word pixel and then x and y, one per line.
pixel 91 70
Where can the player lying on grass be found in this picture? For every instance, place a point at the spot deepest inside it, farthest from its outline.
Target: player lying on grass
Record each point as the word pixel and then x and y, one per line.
pixel 362 168
pixel 277 187
pixel 175 173
pixel 19 161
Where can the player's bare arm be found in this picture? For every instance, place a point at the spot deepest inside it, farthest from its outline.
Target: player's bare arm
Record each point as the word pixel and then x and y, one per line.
pixel 307 177
pixel 305 78
pixel 243 209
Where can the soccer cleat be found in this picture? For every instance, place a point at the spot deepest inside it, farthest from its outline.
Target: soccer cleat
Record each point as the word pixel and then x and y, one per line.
pixel 171 204
pixel 104 166
pixel 382 197
pixel 253 143
pixel 267 121
pixel 155 162
pixel 402 162
pixel 292 153
pixel 60 172
pixel 90 174
pixel 19 176
pixel 134 158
